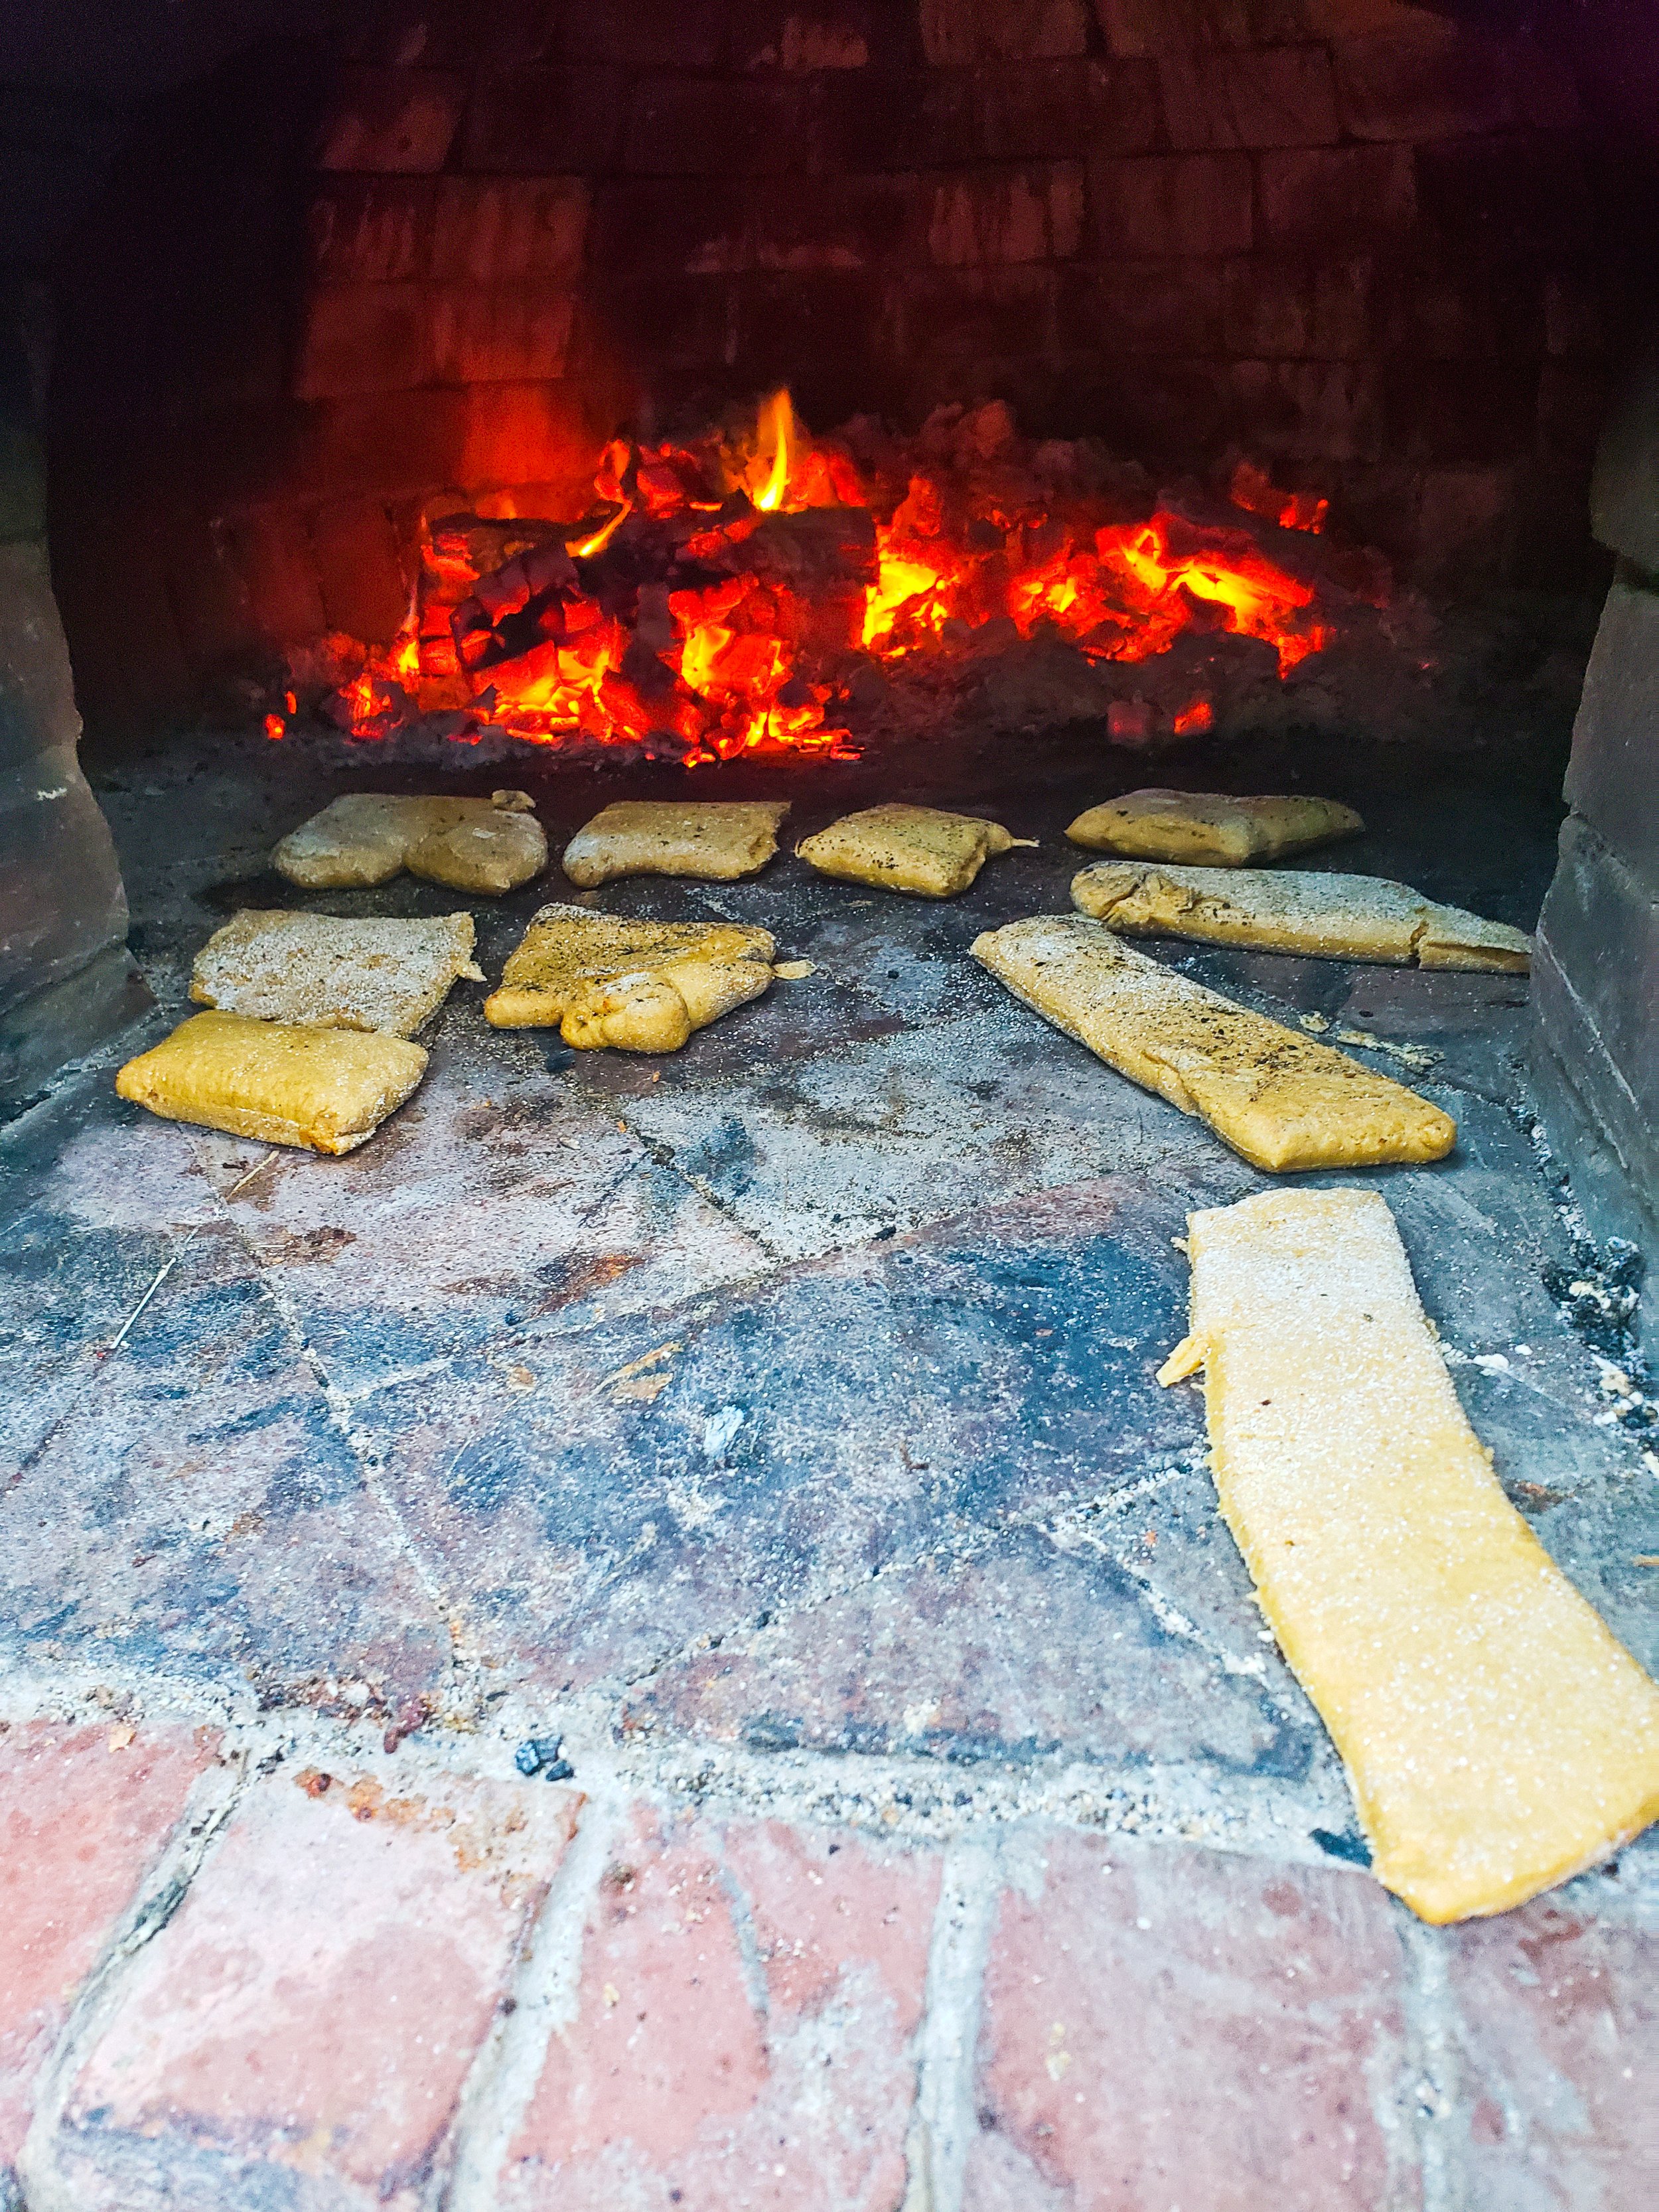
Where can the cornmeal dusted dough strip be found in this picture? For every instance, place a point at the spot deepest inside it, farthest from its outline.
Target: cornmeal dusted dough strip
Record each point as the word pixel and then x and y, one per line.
pixel 634 986
pixel 717 840
pixel 1497 1738
pixel 1280 1099
pixel 1212 827
pixel 327 1090
pixel 919 849
pixel 1330 917
pixel 333 973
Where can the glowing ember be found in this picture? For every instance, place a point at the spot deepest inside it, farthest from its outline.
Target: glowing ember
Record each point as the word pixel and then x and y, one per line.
pixel 721 597
pixel 274 725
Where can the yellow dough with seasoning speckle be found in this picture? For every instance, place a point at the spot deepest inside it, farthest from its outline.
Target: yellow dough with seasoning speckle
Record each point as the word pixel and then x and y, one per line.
pixel 1278 1098
pixel 605 980
pixel 717 840
pixel 919 849
pixel 491 845
pixel 323 1089
pixel 1497 1737
pixel 1212 827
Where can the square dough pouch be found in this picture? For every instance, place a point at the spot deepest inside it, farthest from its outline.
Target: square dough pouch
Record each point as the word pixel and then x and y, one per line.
pixel 606 980
pixel 327 1091
pixel 1497 1738
pixel 333 973
pixel 488 845
pixel 1330 917
pixel 1278 1098
pixel 1209 826
pixel 908 848
pixel 716 840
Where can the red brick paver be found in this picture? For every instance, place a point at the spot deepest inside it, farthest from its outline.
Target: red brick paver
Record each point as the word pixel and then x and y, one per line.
pixel 84 1812
pixel 1560 2027
pixel 302 2027
pixel 742 2038
pixel 1168 2030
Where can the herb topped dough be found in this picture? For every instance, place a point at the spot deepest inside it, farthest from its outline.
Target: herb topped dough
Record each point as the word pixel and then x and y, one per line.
pixel 1278 1098
pixel 1331 917
pixel 332 973
pixel 634 986
pixel 325 1090
pixel 1497 1738
pixel 918 849
pixel 718 840
pixel 491 845
pixel 1209 826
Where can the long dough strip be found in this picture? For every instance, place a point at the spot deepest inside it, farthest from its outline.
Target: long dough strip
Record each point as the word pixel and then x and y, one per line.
pixel 1497 1738
pixel 1329 916
pixel 1279 1098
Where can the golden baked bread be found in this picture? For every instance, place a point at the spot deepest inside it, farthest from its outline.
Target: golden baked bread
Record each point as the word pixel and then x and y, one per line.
pixel 634 986
pixel 1210 826
pixel 1274 1096
pixel 1328 917
pixel 326 1090
pixel 334 973
pixel 717 840
pixel 1497 1738
pixel 918 849
pixel 489 845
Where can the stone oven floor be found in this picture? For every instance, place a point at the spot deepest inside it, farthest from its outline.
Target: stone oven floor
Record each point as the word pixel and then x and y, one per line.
pixel 776 1423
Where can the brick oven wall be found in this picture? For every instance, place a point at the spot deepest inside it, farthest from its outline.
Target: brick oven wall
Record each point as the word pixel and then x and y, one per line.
pixel 1347 236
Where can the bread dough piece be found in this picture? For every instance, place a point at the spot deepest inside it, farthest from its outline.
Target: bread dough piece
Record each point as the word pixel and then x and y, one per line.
pixel 1329 917
pixel 634 986
pixel 1276 1097
pixel 717 840
pixel 326 1090
pixel 1497 1738
pixel 1209 826
pixel 331 973
pixel 367 836
pixel 908 848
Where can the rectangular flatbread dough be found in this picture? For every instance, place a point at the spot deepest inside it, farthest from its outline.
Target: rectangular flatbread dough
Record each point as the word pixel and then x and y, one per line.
pixel 1497 1738
pixel 1276 1097
pixel 1328 917
pixel 918 849
pixel 605 979
pixel 1211 827
pixel 333 973
pixel 491 844
pixel 717 840
pixel 323 1089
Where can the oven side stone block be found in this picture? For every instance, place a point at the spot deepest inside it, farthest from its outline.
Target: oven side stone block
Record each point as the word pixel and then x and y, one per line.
pixel 1329 199
pixel 955 32
pixel 698 127
pixel 1053 110
pixel 545 122
pixel 1034 215
pixel 1276 309
pixel 1198 204
pixel 1431 81
pixel 1261 96
pixel 1613 778
pixel 392 121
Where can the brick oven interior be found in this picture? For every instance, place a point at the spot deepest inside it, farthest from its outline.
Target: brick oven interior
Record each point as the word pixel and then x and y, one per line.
pixel 776 1418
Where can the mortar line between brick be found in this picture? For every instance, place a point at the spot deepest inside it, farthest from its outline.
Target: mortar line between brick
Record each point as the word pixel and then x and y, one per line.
pixel 943 2124
pixel 544 1990
pixel 1433 2095
pixel 212 1801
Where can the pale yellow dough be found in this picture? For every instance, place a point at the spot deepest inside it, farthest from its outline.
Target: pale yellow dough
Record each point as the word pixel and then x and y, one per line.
pixel 908 848
pixel 1275 1097
pixel 717 840
pixel 332 973
pixel 326 1090
pixel 634 986
pixel 1497 1738
pixel 1212 827
pixel 491 844
pixel 1328 917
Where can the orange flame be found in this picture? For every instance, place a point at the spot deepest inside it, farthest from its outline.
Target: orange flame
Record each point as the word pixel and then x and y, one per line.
pixel 274 725
pixel 777 423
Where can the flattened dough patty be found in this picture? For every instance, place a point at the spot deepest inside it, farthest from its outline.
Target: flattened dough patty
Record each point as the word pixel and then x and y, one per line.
pixel 1210 826
pixel 718 840
pixel 332 973
pixel 1497 1738
pixel 325 1090
pixel 634 986
pixel 918 849
pixel 1330 917
pixel 489 845
pixel 1278 1098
